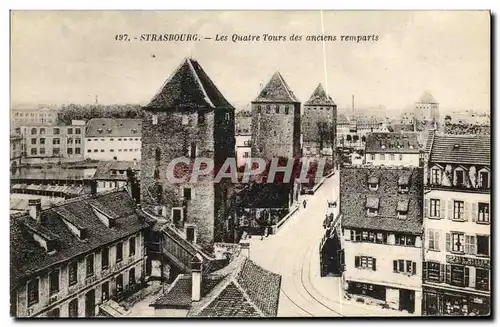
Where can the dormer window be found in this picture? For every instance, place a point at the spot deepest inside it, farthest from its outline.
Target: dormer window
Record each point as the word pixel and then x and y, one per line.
pixel 259 109
pixel 373 183
pixel 109 130
pixel 268 109
pixel 484 179
pixel 99 130
pixel 154 119
pixel 435 176
pixel 372 204
pixel 404 183
pixel 201 118
pixel 402 208
pixel 459 177
pixel 134 130
pixel 185 120
pixel 277 109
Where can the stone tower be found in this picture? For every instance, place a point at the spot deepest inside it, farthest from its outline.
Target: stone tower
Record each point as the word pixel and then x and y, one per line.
pixel 276 121
pixel 319 121
pixel 189 118
pixel 427 109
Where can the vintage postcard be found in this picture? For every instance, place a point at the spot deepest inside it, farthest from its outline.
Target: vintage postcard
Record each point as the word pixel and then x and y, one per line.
pixel 250 164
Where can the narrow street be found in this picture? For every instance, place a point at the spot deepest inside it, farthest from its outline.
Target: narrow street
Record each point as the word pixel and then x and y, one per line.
pixel 294 253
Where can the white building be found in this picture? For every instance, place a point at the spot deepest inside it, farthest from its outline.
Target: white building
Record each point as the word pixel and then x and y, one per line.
pixel 113 139
pixel 457 226
pixel 392 149
pixel 382 235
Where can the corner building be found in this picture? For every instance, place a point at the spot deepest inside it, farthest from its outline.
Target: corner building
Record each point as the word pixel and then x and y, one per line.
pixel 381 219
pixel 457 256
pixel 189 118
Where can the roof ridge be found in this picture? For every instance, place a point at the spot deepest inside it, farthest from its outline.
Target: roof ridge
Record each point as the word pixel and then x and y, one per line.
pixel 165 82
pixel 248 298
pixel 287 88
pixel 200 84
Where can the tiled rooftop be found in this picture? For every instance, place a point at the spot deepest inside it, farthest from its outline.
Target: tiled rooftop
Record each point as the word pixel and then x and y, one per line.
pixel 276 90
pixel 355 195
pixel 392 143
pixel 113 127
pixel 461 149
pixel 319 97
pixel 188 87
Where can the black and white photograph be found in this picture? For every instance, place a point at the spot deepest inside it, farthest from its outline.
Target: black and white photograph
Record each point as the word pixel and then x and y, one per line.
pixel 250 164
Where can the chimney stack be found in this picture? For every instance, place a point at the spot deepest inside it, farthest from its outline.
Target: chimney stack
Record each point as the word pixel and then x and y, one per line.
pixel 93 187
pixel 35 209
pixel 196 277
pixel 245 248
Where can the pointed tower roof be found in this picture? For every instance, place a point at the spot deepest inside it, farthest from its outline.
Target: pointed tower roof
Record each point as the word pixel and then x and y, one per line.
pixel 188 87
pixel 427 98
pixel 276 90
pixel 319 97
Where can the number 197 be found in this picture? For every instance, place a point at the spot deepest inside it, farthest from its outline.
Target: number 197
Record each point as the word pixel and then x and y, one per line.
pixel 121 37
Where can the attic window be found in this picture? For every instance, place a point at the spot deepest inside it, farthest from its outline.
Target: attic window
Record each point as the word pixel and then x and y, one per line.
pixel 134 130
pixel 456 146
pixel 185 120
pixel 404 183
pixel 383 146
pixel 402 209
pixel 373 183
pixel 286 110
pixel 99 130
pixel 268 109
pixel 109 130
pixel 372 204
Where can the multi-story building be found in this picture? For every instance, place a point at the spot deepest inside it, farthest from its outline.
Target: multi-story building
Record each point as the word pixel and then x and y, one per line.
pixel 382 235
pixel 457 251
pixel 68 260
pixel 113 139
pixel 352 133
pixel 56 142
pixel 392 149
pixel 16 149
pixel 427 109
pixel 189 118
pixel 34 117
pixel 319 122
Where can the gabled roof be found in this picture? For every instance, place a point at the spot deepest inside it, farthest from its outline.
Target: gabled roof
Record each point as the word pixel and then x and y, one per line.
pixel 342 120
pixel 392 143
pixel 427 98
pixel 28 257
pixel 319 98
pixel 461 149
pixel 276 90
pixel 353 180
pixel 113 127
pixel 188 87
pixel 241 289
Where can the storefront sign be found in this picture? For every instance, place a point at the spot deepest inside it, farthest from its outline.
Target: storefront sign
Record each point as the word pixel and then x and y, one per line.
pixel 473 262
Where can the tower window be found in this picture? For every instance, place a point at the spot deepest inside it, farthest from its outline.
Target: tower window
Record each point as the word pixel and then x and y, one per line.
pixel 286 110
pixel 201 118
pixel 259 108
pixel 157 154
pixel 186 193
pixel 268 109
pixel 277 109
pixel 154 119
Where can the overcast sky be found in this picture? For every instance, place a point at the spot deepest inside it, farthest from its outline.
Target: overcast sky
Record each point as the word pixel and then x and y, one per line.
pixel 70 57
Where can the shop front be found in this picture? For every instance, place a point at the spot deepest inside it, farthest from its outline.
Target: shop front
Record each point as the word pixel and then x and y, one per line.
pixel 441 302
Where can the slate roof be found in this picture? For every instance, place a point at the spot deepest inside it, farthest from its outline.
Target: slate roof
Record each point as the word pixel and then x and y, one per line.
pixel 188 87
pixel 105 168
pixel 276 90
pixel 28 257
pixel 427 98
pixel 392 143
pixel 242 289
pixel 461 149
pixel 354 180
pixel 319 98
pixel 113 127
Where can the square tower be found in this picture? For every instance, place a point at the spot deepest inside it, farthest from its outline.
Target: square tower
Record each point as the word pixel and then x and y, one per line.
pixel 189 118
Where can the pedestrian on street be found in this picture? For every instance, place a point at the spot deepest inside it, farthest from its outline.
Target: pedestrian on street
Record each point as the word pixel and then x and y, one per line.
pixel 304 203
pixel 262 232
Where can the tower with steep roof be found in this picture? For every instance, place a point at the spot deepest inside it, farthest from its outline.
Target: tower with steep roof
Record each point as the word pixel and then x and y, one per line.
pixel 427 109
pixel 190 118
pixel 276 121
pixel 319 122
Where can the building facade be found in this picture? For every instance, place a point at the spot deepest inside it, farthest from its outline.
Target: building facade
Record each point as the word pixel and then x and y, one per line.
pixel 392 149
pixel 427 109
pixel 68 260
pixel 319 123
pixel 382 235
pixel 16 149
pixel 189 118
pixel 34 117
pixel 113 139
pixel 111 175
pixel 57 142
pixel 457 256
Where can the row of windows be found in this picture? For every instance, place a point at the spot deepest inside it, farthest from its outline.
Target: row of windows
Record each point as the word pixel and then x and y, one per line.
pixel 90 297
pixel 382 237
pixel 462 243
pixel 54 276
pixel 458 211
pixel 32 114
pixel 55 141
pixel 55 151
pixel 112 139
pixel 276 109
pixel 56 130
pixel 399 266
pixel 201 118
pixel 456 275
pixel 460 179
pixel 113 150
pixel 316 108
pixel 391 156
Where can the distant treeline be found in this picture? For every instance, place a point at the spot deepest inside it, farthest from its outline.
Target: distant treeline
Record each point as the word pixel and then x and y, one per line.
pixel 85 112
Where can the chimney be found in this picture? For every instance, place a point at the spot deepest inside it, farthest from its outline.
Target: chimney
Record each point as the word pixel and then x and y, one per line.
pixel 245 248
pixel 196 278
pixel 35 208
pixel 93 187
